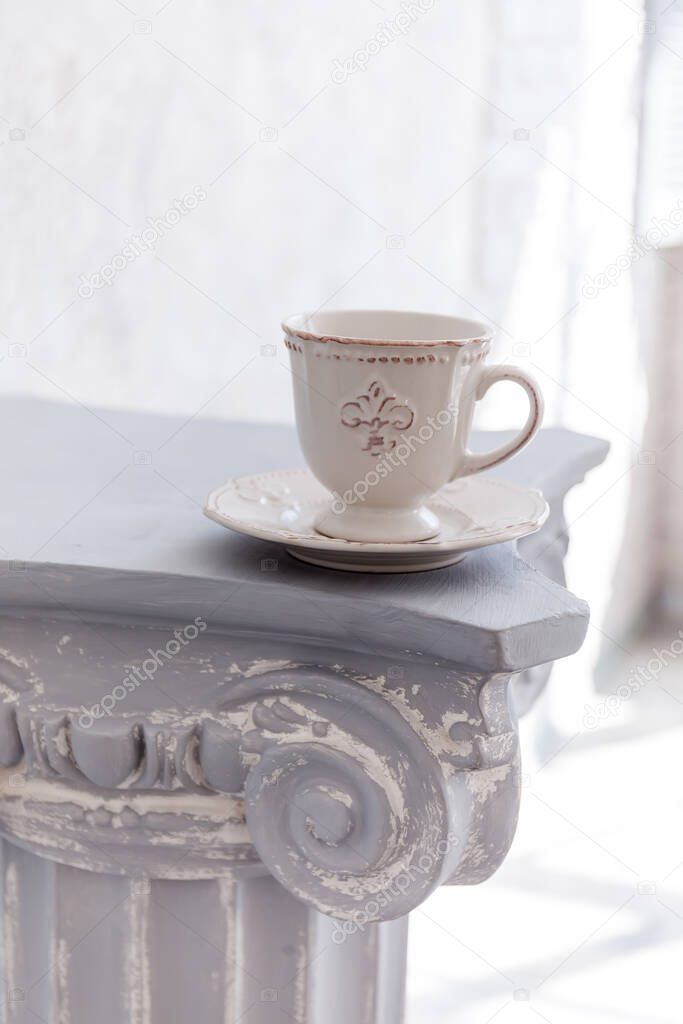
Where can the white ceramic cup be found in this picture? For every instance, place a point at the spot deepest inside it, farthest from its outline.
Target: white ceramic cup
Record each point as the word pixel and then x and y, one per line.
pixel 384 403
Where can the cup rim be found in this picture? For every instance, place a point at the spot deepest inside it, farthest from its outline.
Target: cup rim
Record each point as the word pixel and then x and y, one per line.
pixel 464 331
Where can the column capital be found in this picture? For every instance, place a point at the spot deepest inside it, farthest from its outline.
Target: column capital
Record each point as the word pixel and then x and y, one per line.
pixel 359 785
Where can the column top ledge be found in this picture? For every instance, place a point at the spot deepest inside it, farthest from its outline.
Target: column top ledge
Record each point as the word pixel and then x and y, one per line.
pixel 103 518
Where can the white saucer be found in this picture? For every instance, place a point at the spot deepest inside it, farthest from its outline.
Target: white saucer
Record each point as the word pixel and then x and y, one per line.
pixel 281 506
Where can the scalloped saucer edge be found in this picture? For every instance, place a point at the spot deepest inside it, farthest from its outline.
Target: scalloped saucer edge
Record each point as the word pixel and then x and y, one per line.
pixel 281 506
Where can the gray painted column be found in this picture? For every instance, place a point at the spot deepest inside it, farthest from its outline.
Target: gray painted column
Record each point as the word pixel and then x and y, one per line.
pixel 223 789
pixel 81 946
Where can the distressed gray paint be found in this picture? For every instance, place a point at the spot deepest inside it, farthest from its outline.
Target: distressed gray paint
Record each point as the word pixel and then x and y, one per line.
pixel 83 947
pixel 329 743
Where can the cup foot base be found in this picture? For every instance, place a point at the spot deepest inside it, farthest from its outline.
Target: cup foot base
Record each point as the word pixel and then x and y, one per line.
pixel 379 526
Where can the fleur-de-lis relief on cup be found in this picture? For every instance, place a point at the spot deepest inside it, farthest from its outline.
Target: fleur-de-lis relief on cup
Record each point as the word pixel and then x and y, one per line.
pixel 384 403
pixel 379 415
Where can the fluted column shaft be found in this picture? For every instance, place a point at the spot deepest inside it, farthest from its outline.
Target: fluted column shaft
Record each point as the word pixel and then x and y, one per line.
pixel 80 946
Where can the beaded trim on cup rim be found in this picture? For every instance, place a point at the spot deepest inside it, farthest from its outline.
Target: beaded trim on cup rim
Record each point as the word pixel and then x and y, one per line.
pixel 303 335
pixel 467 356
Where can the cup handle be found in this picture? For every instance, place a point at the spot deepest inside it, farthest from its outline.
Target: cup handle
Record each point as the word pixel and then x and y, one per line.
pixel 491 375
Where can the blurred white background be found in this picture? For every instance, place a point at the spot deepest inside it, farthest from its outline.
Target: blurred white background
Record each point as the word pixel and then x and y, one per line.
pixel 475 165
pixel 463 156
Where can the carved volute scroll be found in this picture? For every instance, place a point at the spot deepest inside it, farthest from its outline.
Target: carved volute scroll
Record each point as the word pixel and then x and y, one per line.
pixel 345 798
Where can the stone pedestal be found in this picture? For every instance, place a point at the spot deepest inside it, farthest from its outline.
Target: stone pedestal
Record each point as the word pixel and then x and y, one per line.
pixel 227 777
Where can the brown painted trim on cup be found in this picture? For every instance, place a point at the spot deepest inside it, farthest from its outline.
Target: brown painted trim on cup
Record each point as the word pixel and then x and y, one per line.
pixel 324 339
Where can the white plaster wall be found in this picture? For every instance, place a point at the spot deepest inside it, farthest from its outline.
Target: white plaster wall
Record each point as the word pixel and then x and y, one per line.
pixel 109 116
pixel 406 185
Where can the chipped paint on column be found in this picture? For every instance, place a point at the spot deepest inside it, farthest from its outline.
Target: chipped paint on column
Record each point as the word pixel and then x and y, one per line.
pixel 61 976
pixel 10 931
pixel 371 982
pixel 137 966
pixel 227 894
pixel 302 977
